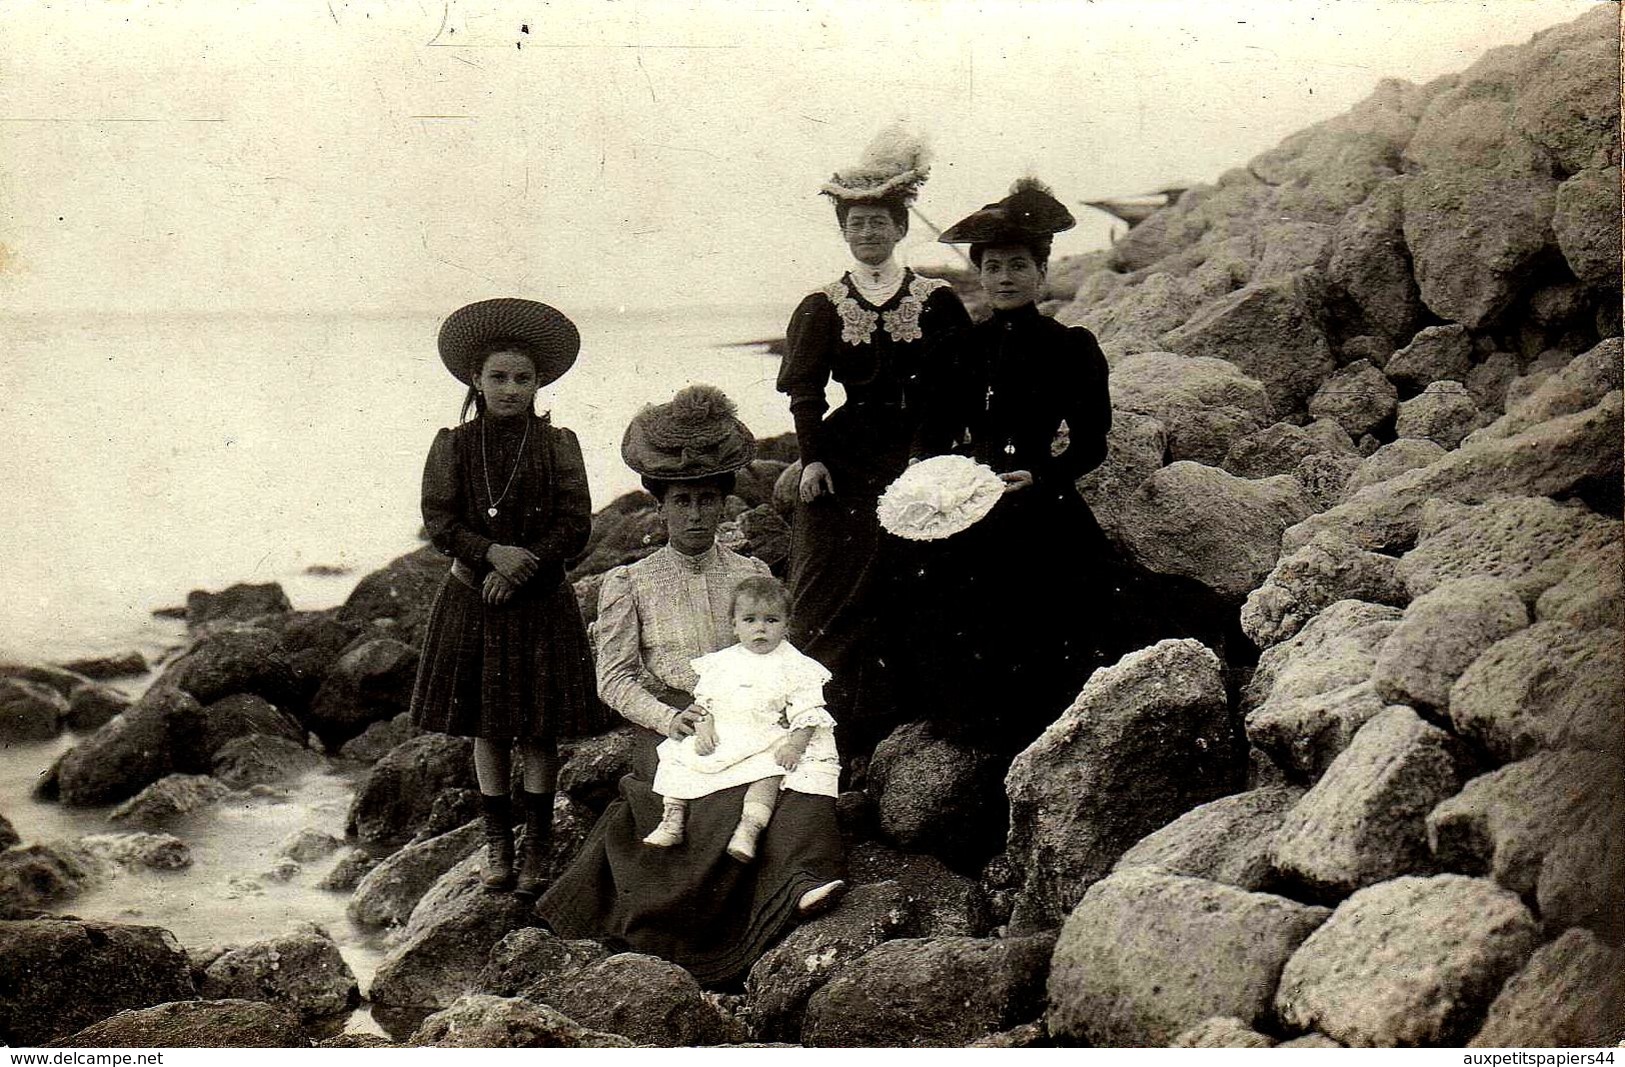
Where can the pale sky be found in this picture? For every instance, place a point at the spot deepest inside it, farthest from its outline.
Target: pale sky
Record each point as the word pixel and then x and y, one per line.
pixel 379 158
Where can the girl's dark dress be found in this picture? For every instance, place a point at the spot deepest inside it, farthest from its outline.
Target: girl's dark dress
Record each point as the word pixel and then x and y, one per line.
pixel 524 669
pixel 836 579
pixel 1008 615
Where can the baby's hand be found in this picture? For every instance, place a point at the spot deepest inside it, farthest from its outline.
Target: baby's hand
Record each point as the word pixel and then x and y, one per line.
pixel 788 752
pixel 705 736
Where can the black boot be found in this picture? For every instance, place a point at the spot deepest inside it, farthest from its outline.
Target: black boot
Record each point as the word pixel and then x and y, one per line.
pixel 534 845
pixel 497 814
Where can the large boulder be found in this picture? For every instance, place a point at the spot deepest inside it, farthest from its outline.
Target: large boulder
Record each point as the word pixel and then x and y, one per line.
pixel 386 895
pixel 1359 397
pixel 157 852
pixel 1202 404
pixel 29 711
pixel 259 760
pixel 1444 413
pixel 129 664
pixel 1528 542
pixel 1574 386
pixel 248 659
pixel 62 680
pixel 530 956
pixel 1437 353
pixel 242 714
pixel 194 1024
pixel 400 592
pixel 1547 686
pixel 1371 265
pixel 302 972
pixel 242 602
pixel 938 992
pixel 370 683
pixel 646 1000
pixel 35 877
pixel 160 734
pixel 938 795
pixel 1567 90
pixel 1136 447
pixel 1444 630
pixel 93 705
pixel 1147 740
pixel 942 902
pixel 168 799
pixel 1586 224
pixel 1365 820
pixel 1146 955
pixel 593 766
pixel 1306 582
pixel 1592 594
pixel 1571 995
pixel 1281 447
pixel 479 1020
pixel 1550 828
pixel 1392 460
pixel 1411 962
pixel 1226 840
pixel 399 792
pixel 1200 522
pixel 58 976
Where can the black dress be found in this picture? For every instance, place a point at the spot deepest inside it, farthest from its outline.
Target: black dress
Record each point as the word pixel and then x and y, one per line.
pixel 877 353
pixel 1008 616
pixel 522 670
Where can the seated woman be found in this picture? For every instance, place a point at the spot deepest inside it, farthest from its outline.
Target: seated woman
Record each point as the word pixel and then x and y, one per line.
pixel 691 903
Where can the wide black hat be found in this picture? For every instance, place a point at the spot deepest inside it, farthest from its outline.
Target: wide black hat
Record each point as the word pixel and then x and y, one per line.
pixel 697 434
pixel 1029 212
pixel 545 333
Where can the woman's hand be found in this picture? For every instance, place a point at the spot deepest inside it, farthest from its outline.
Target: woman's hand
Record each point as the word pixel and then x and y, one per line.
pixel 705 736
pixel 815 482
pixel 513 563
pixel 788 753
pixel 1015 481
pixel 684 723
pixel 497 590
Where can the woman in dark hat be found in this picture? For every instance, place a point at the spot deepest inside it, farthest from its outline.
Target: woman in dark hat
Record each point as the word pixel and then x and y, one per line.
pixel 1009 608
pixel 691 904
pixel 505 655
pixel 869 330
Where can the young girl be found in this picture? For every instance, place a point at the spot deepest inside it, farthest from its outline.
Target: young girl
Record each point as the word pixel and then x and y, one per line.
pixel 505 654
pixel 764 724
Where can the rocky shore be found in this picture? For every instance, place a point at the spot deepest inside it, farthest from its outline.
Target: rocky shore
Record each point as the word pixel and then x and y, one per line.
pixel 1368 394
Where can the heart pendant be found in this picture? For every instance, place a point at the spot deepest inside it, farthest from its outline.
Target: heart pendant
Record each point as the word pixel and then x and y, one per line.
pixel 491 512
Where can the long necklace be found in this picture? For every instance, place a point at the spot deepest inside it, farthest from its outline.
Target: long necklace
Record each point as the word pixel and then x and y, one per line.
pixel 486 471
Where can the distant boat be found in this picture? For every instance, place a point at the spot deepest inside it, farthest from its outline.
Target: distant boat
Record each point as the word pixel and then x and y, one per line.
pixel 1136 209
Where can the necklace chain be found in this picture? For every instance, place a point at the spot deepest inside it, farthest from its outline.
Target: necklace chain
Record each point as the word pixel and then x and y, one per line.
pixel 485 469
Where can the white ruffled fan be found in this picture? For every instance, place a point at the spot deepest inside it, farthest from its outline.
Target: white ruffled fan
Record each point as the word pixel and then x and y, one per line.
pixel 938 498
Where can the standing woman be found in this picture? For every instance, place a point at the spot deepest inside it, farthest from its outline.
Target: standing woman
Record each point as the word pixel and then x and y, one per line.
pixel 870 331
pixel 1010 612
pixel 505 658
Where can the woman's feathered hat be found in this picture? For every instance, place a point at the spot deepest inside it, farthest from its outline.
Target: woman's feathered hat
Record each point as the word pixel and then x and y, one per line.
pixel 1029 212
pixel 938 497
pixel 893 168
pixel 470 333
pixel 697 434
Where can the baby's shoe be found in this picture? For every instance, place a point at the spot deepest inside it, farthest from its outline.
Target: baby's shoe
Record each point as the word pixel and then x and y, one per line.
pixel 742 845
pixel 669 833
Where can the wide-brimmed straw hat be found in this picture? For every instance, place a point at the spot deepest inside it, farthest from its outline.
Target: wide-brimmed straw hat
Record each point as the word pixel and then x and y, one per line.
pixel 470 333
pixel 1030 212
pixel 938 497
pixel 697 434
pixel 893 168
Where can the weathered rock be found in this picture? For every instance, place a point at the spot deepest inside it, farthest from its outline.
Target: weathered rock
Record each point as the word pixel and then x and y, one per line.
pixel 1312 579
pixel 1371 265
pixel 244 660
pixel 931 993
pixel 452 808
pixel 529 956
pixel 1437 353
pixel 376 741
pixel 1410 962
pixel 302 972
pixel 481 1021
pixel 1586 224
pixel 1392 460
pixel 1358 396
pixel 1200 522
pixel 1271 330
pixel 168 799
pixel 1571 995
pixel 1443 632
pixel 1573 386
pixel 1527 823
pixel 308 845
pixel 58 976
pixel 1136 447
pixel 1568 90
pixel 1222 1031
pixel 1226 840
pixel 1276 449
pixel 594 766
pixel 1365 819
pixel 29 711
pixel 119 665
pixel 446 941
pixel 942 902
pixel 1147 740
pixel 92 706
pixel 353 865
pixel 33 877
pixel 160 734
pixel 63 681
pixel 386 895
pixel 1547 686
pixel 242 714
pixel 766 535
pixel 400 790
pixel 158 852
pixel 1147 954
pixel 401 591
pixel 644 999
pixel 1443 413
pixel 194 1024
pixel 1530 543
pixel 1202 404
pixel 1592 594
pixel 1323 476
pixel 938 796
pixel 260 760
pixel 1487 382
pixel 1551 459
pixel 370 683
pixel 787 975
pixel 241 603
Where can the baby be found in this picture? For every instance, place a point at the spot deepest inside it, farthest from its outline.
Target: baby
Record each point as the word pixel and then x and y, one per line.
pixel 764 724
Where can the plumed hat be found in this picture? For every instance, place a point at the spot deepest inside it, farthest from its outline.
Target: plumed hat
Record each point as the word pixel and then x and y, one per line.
pixel 893 168
pixel 1029 212
pixel 696 435
pixel 938 497
pixel 470 333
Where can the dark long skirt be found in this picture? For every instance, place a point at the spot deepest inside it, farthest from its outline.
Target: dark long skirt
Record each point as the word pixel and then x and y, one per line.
pixel 693 904
pixel 516 672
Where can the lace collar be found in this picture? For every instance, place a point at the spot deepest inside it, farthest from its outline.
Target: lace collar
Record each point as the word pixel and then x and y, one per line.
pixel 876 284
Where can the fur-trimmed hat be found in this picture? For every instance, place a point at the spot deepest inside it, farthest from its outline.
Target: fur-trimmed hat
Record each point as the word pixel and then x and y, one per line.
pixel 892 170
pixel 1029 212
pixel 696 435
pixel 544 333
pixel 938 498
